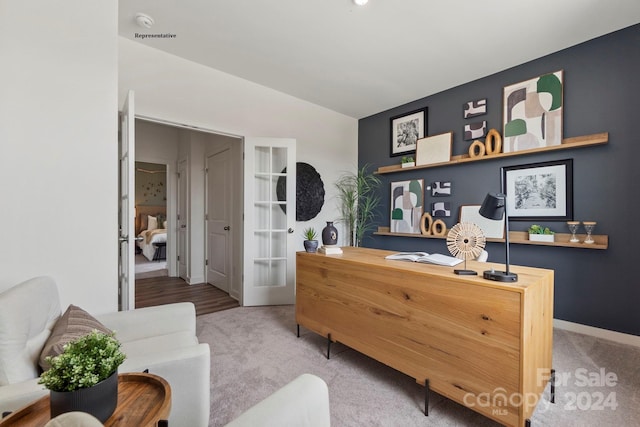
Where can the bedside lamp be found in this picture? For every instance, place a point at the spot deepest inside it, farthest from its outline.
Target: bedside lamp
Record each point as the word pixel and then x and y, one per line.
pixel 494 207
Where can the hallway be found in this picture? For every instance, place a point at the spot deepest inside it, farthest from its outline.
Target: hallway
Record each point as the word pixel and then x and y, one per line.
pixel 165 290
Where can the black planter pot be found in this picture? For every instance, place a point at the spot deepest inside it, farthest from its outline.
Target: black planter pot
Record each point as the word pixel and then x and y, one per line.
pixel 100 400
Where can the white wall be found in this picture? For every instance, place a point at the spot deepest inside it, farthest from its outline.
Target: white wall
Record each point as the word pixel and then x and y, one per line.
pixel 156 143
pixel 58 136
pixel 173 89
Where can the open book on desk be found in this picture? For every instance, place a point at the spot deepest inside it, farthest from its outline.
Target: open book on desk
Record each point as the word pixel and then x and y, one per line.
pixel 438 259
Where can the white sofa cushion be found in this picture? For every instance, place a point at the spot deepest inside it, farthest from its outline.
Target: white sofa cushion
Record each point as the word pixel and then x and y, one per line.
pixel 28 312
pixel 159 344
pixel 17 395
pixel 134 325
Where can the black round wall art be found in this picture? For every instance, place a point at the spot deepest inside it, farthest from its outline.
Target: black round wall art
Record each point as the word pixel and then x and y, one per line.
pixel 309 191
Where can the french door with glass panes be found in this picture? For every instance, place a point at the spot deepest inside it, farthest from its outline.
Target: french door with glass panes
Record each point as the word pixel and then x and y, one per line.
pixel 269 221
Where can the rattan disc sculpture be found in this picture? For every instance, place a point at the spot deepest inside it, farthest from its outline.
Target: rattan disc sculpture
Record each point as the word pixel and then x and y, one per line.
pixel 465 241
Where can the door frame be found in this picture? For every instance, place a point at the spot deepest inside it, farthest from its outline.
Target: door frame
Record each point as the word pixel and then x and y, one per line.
pixel 126 190
pixel 237 223
pixel 182 176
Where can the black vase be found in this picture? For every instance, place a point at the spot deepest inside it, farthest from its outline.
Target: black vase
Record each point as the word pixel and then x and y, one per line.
pixel 99 400
pixel 329 235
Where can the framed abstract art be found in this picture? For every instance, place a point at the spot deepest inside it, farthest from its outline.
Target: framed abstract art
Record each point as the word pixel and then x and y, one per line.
pixel 407 205
pixel 532 113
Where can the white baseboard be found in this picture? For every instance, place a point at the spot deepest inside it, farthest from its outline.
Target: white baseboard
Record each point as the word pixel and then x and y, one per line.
pixel 606 334
pixel 195 280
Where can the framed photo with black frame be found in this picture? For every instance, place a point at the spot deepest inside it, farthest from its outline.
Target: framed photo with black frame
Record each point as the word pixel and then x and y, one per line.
pixel 406 129
pixel 539 191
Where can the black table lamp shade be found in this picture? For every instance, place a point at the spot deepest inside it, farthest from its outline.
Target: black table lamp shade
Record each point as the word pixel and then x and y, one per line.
pixel 495 207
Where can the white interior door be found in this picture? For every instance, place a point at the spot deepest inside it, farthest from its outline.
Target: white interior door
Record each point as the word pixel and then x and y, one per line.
pixel 126 261
pixel 218 221
pixel 269 223
pixel 181 220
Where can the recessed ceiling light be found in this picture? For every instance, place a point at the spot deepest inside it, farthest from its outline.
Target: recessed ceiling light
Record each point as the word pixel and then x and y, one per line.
pixel 361 2
pixel 144 20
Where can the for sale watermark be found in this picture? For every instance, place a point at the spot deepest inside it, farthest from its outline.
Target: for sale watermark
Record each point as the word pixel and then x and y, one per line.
pixel 595 393
pixel 596 389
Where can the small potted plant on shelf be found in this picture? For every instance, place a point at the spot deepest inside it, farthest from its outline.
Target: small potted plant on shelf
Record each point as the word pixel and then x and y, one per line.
pixel 538 233
pixel 310 242
pixel 408 161
pixel 84 377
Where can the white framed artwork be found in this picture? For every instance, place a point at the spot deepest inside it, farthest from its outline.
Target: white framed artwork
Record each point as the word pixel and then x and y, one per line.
pixel 491 228
pixel 434 149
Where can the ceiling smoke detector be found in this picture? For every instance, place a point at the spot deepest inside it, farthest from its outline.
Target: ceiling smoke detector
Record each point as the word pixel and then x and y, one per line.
pixel 144 20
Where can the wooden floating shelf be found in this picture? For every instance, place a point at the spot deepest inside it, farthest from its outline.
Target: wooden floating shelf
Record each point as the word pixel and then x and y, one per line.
pixel 575 142
pixel 601 241
pixel 521 238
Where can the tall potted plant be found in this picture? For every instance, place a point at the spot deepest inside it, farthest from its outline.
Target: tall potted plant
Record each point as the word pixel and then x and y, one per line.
pixel 84 377
pixel 359 198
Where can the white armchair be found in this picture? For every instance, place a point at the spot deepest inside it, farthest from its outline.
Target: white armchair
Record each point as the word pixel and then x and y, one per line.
pixel 304 402
pixel 161 339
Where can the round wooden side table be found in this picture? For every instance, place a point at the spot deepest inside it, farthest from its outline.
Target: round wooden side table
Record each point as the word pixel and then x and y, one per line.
pixel 143 400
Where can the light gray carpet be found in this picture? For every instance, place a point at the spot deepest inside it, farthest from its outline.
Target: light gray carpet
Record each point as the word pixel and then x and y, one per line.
pixel 254 351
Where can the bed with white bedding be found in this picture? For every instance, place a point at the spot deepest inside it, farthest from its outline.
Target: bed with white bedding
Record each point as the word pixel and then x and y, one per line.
pixel 150 228
pixel 149 237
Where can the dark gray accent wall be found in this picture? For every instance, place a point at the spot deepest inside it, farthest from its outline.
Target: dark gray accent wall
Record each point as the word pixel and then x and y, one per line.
pixel 599 288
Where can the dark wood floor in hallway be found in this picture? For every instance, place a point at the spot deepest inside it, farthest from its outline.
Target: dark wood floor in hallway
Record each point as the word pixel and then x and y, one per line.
pixel 164 290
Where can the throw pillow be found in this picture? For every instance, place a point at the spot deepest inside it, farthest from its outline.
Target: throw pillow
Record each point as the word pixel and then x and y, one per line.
pixel 152 222
pixel 73 324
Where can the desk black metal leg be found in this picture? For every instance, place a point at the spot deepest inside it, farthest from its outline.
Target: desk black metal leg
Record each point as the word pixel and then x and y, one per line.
pixel 298 326
pixel 163 423
pixel 553 386
pixel 426 397
pixel 527 423
pixel 328 345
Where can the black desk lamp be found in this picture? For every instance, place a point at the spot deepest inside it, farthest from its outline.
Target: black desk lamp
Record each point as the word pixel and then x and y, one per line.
pixel 494 207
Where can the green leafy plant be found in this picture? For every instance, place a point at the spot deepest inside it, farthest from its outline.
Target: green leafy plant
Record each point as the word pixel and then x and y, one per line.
pixel 84 363
pixel 309 233
pixel 359 198
pixel 537 229
pixel 407 159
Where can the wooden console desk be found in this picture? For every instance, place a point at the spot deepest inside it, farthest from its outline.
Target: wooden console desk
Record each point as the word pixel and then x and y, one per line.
pixel 486 345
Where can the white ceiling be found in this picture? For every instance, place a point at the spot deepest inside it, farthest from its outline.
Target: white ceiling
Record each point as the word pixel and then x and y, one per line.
pixel 363 60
